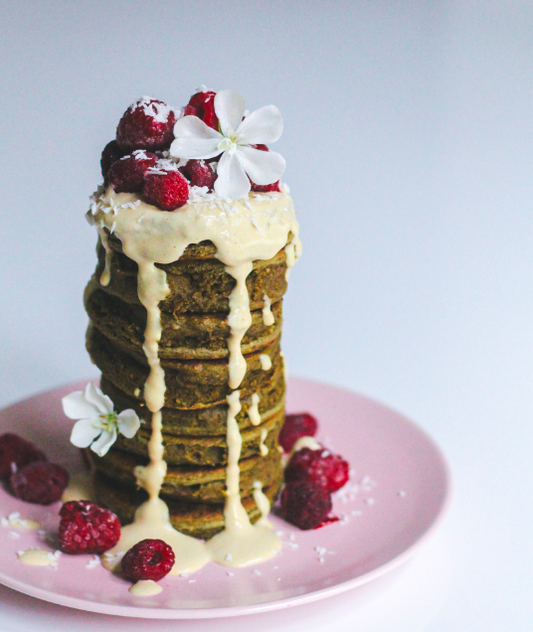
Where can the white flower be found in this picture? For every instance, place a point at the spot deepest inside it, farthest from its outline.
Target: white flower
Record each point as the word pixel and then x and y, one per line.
pixel 239 162
pixel 98 422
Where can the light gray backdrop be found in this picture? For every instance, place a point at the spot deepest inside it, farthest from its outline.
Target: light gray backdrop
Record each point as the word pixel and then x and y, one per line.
pixel 408 139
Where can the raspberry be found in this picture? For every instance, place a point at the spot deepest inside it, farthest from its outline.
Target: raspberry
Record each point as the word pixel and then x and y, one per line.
pixel 111 154
pixel 15 449
pixel 39 482
pixel 202 105
pixel 319 466
pixel 127 174
pixel 200 174
pixel 87 528
pixel 264 188
pixel 165 187
pixel 294 427
pixel 305 504
pixel 146 124
pixel 149 559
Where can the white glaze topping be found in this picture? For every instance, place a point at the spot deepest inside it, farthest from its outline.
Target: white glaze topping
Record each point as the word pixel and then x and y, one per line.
pixel 38 557
pixel 266 362
pixel 145 588
pixel 253 410
pixel 306 442
pixel 268 316
pixel 262 447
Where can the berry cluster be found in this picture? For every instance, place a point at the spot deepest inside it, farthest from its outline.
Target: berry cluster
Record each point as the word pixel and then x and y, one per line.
pixel 311 475
pixel 87 528
pixel 30 476
pixel 138 160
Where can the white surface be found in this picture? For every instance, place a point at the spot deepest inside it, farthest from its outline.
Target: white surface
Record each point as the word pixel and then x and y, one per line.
pixel 409 147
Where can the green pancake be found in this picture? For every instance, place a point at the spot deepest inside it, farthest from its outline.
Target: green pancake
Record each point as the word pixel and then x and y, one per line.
pixel 192 484
pixel 189 383
pixel 200 520
pixel 184 336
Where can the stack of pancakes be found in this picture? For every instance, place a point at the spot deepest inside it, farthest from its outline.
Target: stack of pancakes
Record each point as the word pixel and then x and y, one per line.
pixel 194 355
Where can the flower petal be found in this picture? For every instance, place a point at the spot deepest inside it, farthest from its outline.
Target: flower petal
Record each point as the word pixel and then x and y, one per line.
pixel 106 440
pixel 263 167
pixel 75 406
pixel 193 127
pixel 229 107
pixel 84 432
pixel 128 423
pixel 95 397
pixel 200 148
pixel 232 182
pixel 262 126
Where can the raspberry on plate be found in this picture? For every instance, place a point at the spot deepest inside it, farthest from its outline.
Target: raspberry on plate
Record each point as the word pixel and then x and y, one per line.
pixel 149 559
pixel 126 175
pixel 295 426
pixel 202 105
pixel 110 154
pixel 329 470
pixel 146 124
pixel 305 504
pixel 165 187
pixel 39 482
pixel 200 174
pixel 15 449
pixel 87 528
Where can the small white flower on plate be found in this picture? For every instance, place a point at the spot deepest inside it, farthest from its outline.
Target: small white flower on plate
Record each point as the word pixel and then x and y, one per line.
pixel 98 424
pixel 239 163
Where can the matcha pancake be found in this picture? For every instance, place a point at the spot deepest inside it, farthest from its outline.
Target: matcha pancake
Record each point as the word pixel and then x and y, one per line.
pixel 210 450
pixel 184 336
pixel 193 484
pixel 189 383
pixel 202 421
pixel 200 520
pixel 198 285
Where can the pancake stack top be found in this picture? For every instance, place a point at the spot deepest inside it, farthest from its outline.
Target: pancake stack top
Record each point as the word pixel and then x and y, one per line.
pixel 196 240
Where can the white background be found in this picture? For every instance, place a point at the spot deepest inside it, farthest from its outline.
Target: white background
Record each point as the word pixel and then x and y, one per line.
pixel 408 138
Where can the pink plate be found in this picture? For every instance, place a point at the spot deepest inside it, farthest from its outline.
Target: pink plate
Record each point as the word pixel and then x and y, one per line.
pixel 397 493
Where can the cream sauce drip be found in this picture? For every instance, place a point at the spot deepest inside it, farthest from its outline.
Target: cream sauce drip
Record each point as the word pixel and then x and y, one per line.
pixel 145 588
pixel 38 557
pixel 106 274
pixel 266 362
pixel 242 236
pixel 306 442
pixel 262 447
pixel 253 410
pixel 268 316
pixel 293 251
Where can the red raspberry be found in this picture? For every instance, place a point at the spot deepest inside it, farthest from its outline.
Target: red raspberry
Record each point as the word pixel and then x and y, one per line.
pixel 200 174
pixel 165 187
pixel 127 174
pixel 305 504
pixel 294 427
pixel 149 559
pixel 87 528
pixel 264 188
pixel 15 449
pixel 111 154
pixel 319 466
pixel 146 124
pixel 202 105
pixel 39 482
